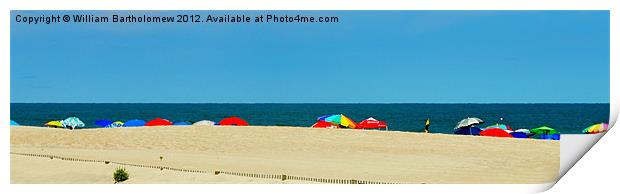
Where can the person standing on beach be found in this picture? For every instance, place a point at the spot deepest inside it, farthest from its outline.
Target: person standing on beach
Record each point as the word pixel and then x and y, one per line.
pixel 428 124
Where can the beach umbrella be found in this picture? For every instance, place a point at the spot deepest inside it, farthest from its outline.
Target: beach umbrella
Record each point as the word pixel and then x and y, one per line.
pixel 473 130
pixel 115 124
pixel 372 123
pixel 495 132
pixel 322 118
pixel 468 122
pixel 500 126
pixel 13 123
pixel 341 120
pixel 526 131
pixel 519 135
pixel 158 122
pixel 554 136
pixel 324 124
pixel 103 123
pixel 134 123
pixel 72 123
pixel 57 124
pixel 596 128
pixel 182 123
pixel 544 130
pixel 234 121
pixel 205 123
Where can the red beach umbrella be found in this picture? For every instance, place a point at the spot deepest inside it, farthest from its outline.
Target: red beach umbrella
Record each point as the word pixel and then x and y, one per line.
pixel 372 123
pixel 233 121
pixel 158 122
pixel 324 124
pixel 495 132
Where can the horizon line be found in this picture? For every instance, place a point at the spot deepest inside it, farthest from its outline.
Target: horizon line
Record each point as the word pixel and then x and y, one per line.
pixel 309 102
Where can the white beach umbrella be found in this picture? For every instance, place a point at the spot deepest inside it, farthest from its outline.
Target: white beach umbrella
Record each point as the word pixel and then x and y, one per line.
pixel 72 123
pixel 205 123
pixel 468 122
pixel 526 131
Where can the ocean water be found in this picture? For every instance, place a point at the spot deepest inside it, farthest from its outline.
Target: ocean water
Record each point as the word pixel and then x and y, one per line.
pixel 566 118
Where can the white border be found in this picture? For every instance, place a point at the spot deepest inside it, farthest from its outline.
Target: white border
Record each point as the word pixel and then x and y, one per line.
pixel 605 149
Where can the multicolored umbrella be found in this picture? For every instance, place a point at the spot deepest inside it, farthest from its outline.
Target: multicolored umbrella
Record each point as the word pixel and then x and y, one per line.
pixel 134 123
pixel 341 120
pixel 116 124
pixel 13 123
pixel 57 124
pixel 324 124
pixel 204 123
pixel 544 130
pixel 596 128
pixel 322 118
pixel 73 123
pixel 468 122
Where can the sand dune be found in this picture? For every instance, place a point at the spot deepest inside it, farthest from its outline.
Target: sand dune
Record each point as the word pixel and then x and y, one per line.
pixel 386 156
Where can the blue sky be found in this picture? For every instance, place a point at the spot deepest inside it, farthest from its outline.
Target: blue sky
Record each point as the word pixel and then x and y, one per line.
pixel 369 56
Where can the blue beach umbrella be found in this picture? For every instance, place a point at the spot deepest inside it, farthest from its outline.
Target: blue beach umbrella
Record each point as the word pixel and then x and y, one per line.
pixel 103 123
pixel 182 123
pixel 135 123
pixel 473 130
pixel 72 123
pixel 519 135
pixel 13 123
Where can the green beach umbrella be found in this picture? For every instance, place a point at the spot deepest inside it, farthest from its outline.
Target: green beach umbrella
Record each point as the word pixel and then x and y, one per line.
pixel 543 130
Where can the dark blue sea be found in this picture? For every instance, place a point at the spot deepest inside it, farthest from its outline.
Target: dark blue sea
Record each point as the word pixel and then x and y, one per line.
pixel 566 118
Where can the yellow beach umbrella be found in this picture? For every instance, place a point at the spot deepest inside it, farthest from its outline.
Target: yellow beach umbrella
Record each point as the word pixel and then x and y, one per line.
pixel 57 124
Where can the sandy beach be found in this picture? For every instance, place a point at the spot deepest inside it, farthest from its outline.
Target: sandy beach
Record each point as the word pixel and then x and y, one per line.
pixel 383 156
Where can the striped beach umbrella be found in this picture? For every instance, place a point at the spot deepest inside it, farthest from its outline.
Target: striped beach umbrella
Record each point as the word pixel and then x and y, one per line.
pixel 72 123
pixel 596 128
pixel 341 120
pixel 116 124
